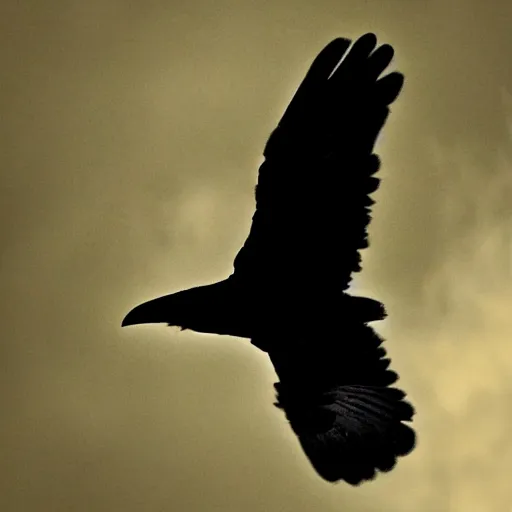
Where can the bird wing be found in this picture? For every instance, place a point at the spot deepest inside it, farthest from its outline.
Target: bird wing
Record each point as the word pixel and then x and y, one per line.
pixel 312 196
pixel 313 209
pixel 336 390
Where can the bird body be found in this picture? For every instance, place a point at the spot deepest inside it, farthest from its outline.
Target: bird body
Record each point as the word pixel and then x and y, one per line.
pixel 288 292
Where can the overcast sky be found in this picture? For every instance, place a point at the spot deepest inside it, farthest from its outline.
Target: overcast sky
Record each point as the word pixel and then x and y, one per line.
pixel 131 133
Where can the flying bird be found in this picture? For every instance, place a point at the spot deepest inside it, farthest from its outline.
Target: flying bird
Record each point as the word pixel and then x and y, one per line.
pixel 288 292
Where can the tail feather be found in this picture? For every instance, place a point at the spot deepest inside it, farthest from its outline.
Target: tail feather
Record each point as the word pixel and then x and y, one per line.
pixel 364 308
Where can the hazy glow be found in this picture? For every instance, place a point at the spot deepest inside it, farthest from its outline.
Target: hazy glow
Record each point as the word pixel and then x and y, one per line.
pixel 130 143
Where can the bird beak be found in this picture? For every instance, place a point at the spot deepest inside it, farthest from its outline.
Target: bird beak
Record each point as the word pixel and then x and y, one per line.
pixel 155 311
pixel 217 308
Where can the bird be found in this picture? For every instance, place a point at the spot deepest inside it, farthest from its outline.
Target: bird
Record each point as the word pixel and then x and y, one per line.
pixel 288 292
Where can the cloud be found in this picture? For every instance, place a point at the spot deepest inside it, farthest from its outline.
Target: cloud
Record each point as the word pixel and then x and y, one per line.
pixel 456 359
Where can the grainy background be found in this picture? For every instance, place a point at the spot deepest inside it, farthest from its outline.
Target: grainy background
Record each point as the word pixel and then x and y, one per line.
pixel 131 133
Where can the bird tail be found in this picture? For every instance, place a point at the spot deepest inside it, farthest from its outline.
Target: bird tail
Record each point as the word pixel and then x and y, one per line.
pixel 363 309
pixel 352 431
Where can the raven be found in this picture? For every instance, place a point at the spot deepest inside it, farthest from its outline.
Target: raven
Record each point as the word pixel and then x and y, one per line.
pixel 288 291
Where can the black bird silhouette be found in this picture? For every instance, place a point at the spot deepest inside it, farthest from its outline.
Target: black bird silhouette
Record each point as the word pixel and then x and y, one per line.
pixel 288 291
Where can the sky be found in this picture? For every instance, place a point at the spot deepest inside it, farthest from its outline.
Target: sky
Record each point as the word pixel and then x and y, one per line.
pixel 131 134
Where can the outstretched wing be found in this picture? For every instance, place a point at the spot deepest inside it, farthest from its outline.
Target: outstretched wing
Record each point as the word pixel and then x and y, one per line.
pixel 312 196
pixel 335 388
pixel 313 208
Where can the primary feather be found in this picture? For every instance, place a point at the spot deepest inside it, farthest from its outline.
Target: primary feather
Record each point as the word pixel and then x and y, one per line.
pixel 288 291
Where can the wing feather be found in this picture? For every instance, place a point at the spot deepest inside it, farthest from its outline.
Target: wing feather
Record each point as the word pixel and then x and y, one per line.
pixel 313 208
